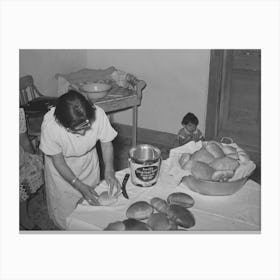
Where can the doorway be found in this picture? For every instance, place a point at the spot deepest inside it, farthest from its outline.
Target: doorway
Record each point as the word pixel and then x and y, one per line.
pixel 234 99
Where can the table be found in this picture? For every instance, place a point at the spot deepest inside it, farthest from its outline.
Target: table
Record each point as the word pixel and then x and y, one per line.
pixel 119 98
pixel 239 212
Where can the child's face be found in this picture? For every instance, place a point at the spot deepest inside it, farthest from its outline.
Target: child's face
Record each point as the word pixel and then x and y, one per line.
pixel 190 127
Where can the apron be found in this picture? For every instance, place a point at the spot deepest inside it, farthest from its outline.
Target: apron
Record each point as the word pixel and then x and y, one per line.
pixel 62 198
pixel 81 156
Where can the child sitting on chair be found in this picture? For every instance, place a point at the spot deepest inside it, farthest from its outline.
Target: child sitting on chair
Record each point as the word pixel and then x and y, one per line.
pixel 189 131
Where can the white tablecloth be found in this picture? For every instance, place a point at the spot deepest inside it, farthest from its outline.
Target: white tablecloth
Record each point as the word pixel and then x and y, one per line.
pixel 237 212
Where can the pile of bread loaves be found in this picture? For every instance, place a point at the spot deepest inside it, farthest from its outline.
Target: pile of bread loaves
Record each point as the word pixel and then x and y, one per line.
pixel 214 161
pixel 158 215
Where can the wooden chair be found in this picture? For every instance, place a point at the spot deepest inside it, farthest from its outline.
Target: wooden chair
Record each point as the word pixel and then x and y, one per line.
pixel 29 92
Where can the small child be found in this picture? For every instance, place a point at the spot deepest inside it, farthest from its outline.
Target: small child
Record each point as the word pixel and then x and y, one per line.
pixel 189 131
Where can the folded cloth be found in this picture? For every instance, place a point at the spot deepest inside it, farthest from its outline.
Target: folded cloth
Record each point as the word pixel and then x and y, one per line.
pixel 243 170
pixel 175 170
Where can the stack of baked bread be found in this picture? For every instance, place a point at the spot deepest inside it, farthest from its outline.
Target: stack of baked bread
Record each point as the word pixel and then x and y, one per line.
pixel 214 161
pixel 159 214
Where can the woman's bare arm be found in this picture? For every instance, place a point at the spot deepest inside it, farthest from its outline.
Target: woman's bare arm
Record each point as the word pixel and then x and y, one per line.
pixel 108 158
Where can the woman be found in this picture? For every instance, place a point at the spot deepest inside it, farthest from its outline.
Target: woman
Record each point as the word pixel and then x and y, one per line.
pixel 68 139
pixel 31 174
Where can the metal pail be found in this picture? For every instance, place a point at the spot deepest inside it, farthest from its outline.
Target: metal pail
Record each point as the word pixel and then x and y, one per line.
pixel 144 162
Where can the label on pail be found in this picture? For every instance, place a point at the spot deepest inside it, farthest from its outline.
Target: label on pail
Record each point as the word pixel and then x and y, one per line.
pixel 146 174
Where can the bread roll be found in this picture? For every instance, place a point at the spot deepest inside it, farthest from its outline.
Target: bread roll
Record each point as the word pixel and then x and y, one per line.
pixel 184 159
pixel 181 216
pixel 228 149
pixel 139 210
pixel 201 170
pixel 224 163
pixel 105 199
pixel 133 224
pixel 214 149
pixel 222 175
pixel 159 204
pixel 118 226
pixel 159 221
pixel 180 198
pixel 203 156
pixel 233 156
pixel 243 157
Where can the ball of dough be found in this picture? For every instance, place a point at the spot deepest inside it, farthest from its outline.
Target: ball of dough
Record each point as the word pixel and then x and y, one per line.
pixel 105 199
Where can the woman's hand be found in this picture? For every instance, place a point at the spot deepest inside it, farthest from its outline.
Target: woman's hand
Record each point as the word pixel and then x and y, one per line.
pixel 112 182
pixel 89 194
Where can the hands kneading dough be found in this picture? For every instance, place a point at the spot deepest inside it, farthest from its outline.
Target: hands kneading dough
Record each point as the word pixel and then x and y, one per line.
pixel 105 199
pixel 214 161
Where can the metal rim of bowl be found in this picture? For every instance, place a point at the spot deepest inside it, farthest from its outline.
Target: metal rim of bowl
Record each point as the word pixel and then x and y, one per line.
pixel 236 181
pixel 95 91
pixel 205 187
pixel 139 161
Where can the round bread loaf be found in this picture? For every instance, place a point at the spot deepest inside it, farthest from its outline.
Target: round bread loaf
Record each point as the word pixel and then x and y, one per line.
pixel 214 148
pixel 133 224
pixel 222 175
pixel 184 159
pixel 159 204
pixel 118 226
pixel 203 156
pixel 159 221
pixel 181 216
pixel 139 210
pixel 180 198
pixel 233 156
pixel 201 170
pixel 228 149
pixel 105 199
pixel 224 163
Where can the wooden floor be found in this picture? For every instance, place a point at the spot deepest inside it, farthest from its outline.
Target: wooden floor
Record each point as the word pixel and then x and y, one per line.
pixel 38 208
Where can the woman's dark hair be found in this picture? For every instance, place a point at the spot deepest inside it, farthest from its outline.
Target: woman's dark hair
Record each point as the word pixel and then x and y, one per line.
pixel 72 108
pixel 190 118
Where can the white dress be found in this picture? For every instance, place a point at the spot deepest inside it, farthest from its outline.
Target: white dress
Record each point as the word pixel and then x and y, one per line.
pixel 81 156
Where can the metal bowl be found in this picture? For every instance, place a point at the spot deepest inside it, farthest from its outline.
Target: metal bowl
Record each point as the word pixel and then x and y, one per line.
pixel 214 188
pixel 95 90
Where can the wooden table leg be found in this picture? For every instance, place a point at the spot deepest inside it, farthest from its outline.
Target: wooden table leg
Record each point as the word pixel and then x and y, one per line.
pixel 134 126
